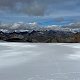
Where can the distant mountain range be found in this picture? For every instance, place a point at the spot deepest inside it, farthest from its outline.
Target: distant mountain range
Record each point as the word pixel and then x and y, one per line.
pixel 33 32
pixel 20 27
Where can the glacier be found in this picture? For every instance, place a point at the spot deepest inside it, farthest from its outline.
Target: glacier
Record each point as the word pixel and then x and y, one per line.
pixel 39 61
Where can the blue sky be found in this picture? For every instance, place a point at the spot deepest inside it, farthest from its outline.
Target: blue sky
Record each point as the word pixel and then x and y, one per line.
pixel 45 12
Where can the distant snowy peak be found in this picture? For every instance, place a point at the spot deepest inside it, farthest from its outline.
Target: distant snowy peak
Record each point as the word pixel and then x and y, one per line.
pixel 16 25
pixel 33 24
pixel 19 26
pixel 73 25
pixel 49 26
pixel 54 26
pixel 22 27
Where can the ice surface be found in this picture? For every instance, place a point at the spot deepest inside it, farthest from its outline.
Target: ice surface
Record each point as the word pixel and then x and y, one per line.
pixel 31 61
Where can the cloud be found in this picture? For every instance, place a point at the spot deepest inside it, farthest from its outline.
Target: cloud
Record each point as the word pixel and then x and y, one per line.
pixel 60 19
pixel 41 7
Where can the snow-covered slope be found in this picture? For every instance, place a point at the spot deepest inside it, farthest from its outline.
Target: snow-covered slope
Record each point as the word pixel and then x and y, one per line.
pixel 24 61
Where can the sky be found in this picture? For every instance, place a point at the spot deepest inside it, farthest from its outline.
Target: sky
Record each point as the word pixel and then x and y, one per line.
pixel 54 11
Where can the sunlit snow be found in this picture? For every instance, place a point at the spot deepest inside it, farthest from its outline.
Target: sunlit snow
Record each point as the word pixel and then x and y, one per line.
pixel 39 61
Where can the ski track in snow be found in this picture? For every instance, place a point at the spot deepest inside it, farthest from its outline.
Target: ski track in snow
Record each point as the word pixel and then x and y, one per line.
pixel 39 61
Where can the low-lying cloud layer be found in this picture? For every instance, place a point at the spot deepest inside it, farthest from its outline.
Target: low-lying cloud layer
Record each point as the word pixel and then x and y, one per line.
pixel 41 7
